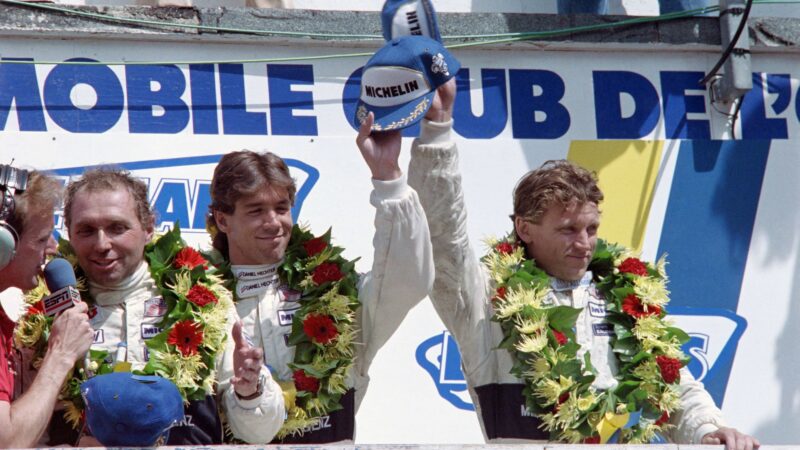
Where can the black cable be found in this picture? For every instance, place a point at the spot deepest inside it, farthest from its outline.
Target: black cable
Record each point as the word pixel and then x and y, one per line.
pixel 727 53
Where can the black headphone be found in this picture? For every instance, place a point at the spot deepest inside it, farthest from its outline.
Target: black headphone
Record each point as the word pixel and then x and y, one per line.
pixel 12 181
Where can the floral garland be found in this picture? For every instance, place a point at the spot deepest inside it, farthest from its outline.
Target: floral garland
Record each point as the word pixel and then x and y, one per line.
pixel 322 329
pixel 558 385
pixel 194 329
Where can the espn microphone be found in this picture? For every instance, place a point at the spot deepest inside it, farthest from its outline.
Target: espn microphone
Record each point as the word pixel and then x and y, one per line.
pixel 60 280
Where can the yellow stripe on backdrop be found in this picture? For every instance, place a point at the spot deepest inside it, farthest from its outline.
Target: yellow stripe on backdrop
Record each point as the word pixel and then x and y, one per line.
pixel 627 171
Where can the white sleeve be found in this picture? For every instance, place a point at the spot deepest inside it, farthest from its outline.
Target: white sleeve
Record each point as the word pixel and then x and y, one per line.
pixel 402 268
pixel 254 421
pixel 460 290
pixel 698 414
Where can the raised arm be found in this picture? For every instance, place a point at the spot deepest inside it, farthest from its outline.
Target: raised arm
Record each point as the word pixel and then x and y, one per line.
pixel 402 268
pixel 460 289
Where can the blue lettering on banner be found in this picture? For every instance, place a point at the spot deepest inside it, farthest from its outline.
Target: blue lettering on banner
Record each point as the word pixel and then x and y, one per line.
pixel 283 100
pixel 755 123
pixel 602 329
pixel 99 118
pixel 495 105
pixel 172 199
pixel 19 84
pixel 143 100
pixel 203 87
pixel 597 309
pixel 677 104
pixel 285 316
pixel 235 117
pixel 525 104
pixel 609 87
pixel 150 331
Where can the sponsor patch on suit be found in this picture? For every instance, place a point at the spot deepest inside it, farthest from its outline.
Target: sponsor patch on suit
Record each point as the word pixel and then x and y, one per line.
pixel 155 307
pixel 285 316
pixel 99 337
pixel 288 295
pixel 602 329
pixel 149 331
pixel 597 309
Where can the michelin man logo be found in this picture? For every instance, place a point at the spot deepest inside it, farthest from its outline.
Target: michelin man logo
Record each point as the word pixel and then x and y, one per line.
pixel 714 335
pixel 179 189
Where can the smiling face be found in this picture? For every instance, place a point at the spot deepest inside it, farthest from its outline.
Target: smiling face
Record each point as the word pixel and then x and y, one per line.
pixel 259 228
pixel 106 234
pixel 35 244
pixel 563 240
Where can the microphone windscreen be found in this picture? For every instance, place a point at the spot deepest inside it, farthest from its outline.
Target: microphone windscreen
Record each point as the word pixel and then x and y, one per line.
pixel 59 274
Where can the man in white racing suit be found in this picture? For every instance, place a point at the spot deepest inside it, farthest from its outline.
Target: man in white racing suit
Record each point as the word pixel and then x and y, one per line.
pixel 563 225
pixel 252 195
pixel 110 221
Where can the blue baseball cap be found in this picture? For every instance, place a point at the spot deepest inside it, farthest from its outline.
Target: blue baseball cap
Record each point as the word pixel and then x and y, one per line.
pixel 408 18
pixel 127 410
pixel 399 81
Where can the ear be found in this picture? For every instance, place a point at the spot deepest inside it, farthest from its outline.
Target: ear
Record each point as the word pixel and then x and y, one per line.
pixel 222 223
pixel 150 229
pixel 523 229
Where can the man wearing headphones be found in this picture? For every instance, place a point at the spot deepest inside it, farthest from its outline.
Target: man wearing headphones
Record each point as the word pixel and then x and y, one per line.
pixel 27 200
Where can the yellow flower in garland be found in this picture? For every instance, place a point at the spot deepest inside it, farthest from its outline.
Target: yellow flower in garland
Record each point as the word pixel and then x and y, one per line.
pixel 649 327
pixel 532 343
pixel 531 326
pixel 651 291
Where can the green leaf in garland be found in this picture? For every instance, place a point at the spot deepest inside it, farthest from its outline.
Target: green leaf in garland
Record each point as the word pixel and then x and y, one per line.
pixel 562 318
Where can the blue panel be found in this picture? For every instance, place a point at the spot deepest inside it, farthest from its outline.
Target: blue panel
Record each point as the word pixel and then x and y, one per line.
pixel 709 220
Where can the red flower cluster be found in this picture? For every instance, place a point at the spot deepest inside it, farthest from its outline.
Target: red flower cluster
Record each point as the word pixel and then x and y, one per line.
pixel 663 419
pixel 304 382
pixel 190 258
pixel 500 294
pixel 314 246
pixel 504 248
pixel 634 266
pixel 327 271
pixel 561 338
pixel 319 328
pixel 36 308
pixel 634 307
pixel 187 336
pixel 670 368
pixel 201 295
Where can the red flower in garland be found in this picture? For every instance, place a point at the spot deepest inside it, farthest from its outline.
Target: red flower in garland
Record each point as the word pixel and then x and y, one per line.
pixel 319 328
pixel 201 295
pixel 634 266
pixel 504 248
pixel 561 399
pixel 189 258
pixel 663 419
pixel 314 246
pixel 187 336
pixel 634 307
pixel 561 338
pixel 327 271
pixel 304 382
pixel 670 368
pixel 36 308
pixel 500 294
pixel 592 439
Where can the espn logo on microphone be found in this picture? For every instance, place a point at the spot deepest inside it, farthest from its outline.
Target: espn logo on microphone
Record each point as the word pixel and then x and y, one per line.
pixel 64 298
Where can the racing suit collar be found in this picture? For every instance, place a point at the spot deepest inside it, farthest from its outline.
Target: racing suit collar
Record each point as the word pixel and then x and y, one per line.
pixel 117 294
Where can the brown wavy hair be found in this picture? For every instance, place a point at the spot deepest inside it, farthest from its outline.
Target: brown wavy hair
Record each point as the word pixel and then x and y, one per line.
pixel 109 179
pixel 557 181
pixel 41 196
pixel 241 174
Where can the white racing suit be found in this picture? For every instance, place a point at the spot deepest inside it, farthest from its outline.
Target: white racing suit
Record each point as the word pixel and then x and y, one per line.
pixel 401 276
pixel 123 318
pixel 462 292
